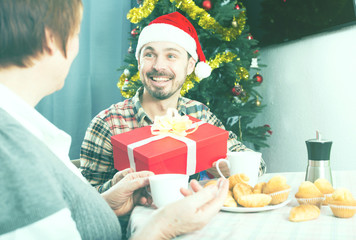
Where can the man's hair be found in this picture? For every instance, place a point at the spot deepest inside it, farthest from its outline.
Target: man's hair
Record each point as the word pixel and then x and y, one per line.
pixel 23 23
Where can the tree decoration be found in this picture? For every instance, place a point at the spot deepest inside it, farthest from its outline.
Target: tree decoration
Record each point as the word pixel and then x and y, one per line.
pixel 249 37
pixel 237 7
pixel 206 5
pixel 254 63
pixel 136 15
pixel 237 90
pixel 234 23
pixel 258 102
pixel 269 128
pixel 130 49
pixel 134 32
pixel 258 78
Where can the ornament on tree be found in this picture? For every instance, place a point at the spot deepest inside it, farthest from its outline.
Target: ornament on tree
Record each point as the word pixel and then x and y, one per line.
pixel 206 5
pixel 237 90
pixel 269 127
pixel 258 102
pixel 254 63
pixel 249 37
pixel 130 50
pixel 134 32
pixel 126 83
pixel 258 78
pixel 139 2
pixel 237 7
pixel 234 23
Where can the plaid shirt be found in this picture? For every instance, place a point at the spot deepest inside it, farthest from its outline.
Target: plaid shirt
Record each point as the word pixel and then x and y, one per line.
pixel 96 154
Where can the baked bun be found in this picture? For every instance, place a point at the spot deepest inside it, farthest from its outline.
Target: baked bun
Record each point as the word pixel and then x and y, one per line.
pixel 254 200
pixel 304 213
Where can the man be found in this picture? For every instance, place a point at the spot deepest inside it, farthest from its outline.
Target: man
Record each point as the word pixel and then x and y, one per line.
pixel 167 51
pixel 43 196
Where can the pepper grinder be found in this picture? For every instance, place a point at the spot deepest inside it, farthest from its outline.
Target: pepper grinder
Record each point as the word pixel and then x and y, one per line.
pixel 318 159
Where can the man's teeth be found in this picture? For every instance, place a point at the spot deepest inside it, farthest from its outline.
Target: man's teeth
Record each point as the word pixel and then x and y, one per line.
pixel 160 79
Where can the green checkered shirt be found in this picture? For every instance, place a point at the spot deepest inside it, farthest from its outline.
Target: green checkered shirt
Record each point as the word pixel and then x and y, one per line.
pixel 96 154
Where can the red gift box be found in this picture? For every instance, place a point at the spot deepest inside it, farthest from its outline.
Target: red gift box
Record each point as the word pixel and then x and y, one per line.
pixel 168 154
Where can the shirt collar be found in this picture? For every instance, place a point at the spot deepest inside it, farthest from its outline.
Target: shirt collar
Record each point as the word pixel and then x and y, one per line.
pixel 141 114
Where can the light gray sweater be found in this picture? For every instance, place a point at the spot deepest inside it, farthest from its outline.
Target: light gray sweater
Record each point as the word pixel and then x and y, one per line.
pixel 35 184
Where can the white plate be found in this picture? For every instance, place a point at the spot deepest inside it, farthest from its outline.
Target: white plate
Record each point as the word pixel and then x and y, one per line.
pixel 258 209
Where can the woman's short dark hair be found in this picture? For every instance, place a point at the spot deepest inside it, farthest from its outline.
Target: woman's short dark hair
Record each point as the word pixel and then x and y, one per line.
pixel 23 23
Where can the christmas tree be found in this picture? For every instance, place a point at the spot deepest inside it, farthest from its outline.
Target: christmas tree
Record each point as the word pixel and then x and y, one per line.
pixel 231 51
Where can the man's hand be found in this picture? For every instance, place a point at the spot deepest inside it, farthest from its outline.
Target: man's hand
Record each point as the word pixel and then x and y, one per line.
pixel 186 215
pixel 120 175
pixel 128 192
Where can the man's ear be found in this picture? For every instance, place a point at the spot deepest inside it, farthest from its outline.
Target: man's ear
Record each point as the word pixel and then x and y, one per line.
pixel 191 65
pixel 50 45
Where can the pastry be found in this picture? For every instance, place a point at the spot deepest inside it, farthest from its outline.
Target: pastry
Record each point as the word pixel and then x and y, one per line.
pixel 230 201
pixel 258 188
pixel 238 178
pixel 211 182
pixel 308 193
pixel 325 188
pixel 241 189
pixel 254 200
pixel 278 189
pixel 342 203
pixel 304 213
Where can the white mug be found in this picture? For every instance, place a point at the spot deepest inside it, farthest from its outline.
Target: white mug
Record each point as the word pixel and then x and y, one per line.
pixel 243 162
pixel 165 188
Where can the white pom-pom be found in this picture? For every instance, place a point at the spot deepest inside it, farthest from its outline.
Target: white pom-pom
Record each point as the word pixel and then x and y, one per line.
pixel 202 70
pixel 127 72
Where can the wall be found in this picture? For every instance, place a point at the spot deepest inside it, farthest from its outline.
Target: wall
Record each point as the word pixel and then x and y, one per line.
pixel 310 85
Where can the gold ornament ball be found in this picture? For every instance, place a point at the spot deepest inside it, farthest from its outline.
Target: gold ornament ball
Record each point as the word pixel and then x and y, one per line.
pixel 234 24
pixel 258 103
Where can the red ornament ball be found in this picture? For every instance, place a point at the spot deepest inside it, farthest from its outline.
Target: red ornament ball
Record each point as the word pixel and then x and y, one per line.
pixel 134 32
pixel 237 7
pixel 249 37
pixel 258 78
pixel 236 90
pixel 207 5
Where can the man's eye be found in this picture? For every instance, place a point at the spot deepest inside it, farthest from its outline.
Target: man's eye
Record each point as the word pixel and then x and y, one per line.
pixel 148 55
pixel 171 56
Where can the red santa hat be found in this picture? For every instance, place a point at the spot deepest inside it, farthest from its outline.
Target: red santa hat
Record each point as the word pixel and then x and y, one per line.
pixel 176 28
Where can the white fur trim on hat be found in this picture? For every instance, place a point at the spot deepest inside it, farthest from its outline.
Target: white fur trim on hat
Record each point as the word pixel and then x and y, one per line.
pixel 161 32
pixel 202 70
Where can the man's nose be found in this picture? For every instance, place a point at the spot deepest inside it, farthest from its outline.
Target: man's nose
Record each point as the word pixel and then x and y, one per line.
pixel 160 63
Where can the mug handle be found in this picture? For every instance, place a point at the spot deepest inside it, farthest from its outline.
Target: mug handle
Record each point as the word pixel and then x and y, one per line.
pixel 218 169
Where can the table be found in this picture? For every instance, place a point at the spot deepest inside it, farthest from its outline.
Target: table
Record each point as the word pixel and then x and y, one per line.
pixel 273 224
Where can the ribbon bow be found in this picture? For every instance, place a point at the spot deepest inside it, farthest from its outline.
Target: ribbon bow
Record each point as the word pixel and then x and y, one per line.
pixel 173 123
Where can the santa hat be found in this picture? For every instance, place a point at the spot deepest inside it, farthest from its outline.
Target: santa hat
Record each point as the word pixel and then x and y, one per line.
pixel 176 28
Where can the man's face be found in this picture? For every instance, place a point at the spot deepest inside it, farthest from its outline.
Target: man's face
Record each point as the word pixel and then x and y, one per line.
pixel 163 68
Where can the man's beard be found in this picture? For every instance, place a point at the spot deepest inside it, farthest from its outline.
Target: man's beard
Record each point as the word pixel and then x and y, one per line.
pixel 157 93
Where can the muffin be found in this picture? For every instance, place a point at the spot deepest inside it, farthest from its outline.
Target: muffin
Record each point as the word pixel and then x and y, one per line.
pixel 277 188
pixel 325 188
pixel 308 193
pixel 258 188
pixel 342 203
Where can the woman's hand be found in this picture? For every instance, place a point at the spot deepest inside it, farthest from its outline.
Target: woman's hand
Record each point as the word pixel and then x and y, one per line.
pixel 186 215
pixel 128 192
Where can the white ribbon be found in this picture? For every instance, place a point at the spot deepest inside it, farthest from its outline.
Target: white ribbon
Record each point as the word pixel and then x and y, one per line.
pixel 191 150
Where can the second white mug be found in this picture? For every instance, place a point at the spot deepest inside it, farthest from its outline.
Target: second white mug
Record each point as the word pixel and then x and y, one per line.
pixel 243 162
pixel 165 188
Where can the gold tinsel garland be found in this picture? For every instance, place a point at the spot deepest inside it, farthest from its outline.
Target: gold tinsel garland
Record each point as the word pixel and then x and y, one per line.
pixel 220 58
pixel 136 15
